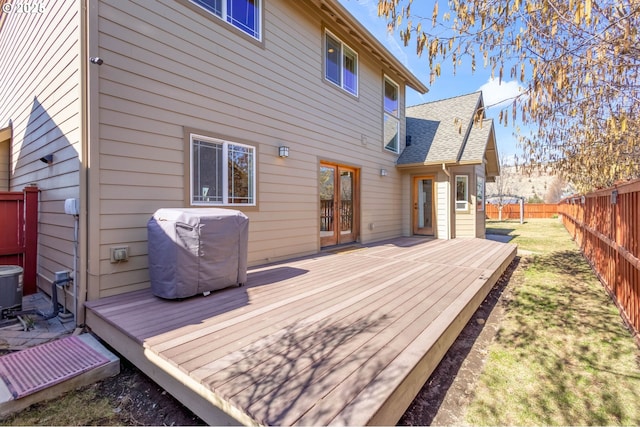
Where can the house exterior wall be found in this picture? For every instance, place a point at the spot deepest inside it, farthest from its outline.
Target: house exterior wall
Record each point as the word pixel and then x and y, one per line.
pixel 443 205
pixel 168 68
pixel 465 220
pixel 40 100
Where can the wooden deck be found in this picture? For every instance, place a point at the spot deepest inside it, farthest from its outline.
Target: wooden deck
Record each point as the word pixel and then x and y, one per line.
pixel 343 337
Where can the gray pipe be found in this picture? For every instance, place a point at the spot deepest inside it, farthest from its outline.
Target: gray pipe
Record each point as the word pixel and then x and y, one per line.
pixel 54 299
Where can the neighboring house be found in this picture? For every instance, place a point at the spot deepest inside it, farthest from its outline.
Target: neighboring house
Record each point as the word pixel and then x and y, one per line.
pixel 450 155
pixel 290 111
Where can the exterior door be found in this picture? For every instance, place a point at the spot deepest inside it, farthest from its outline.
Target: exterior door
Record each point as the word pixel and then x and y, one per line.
pixel 423 205
pixel 339 204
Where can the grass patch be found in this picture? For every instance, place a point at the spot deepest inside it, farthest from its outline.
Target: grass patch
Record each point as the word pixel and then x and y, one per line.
pixel 562 355
pixel 72 409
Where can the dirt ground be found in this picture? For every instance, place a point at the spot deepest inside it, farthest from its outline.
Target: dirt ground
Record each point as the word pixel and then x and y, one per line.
pixel 136 400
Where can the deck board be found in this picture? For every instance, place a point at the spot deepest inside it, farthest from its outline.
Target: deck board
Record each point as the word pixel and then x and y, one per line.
pixel 343 337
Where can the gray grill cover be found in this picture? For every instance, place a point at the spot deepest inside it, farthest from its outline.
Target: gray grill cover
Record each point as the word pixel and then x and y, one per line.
pixel 192 251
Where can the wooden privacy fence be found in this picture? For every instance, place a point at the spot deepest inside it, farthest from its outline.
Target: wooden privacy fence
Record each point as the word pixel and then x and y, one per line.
pixel 531 210
pixel 19 233
pixel 606 225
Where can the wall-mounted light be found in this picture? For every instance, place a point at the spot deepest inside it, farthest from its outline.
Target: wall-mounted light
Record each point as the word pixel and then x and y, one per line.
pixel 283 151
pixel 96 60
pixel 383 172
pixel 614 197
pixel 48 159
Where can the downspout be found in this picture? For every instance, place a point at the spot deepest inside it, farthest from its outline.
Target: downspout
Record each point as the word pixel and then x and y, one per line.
pixel 446 172
pixel 81 227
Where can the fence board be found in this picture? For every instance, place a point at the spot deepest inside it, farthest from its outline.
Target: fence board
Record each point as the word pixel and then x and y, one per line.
pixel 531 210
pixel 19 233
pixel 606 226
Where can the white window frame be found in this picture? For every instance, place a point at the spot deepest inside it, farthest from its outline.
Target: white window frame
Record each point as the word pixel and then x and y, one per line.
pixel 462 205
pixel 226 17
pixel 343 46
pixel 389 115
pixel 225 173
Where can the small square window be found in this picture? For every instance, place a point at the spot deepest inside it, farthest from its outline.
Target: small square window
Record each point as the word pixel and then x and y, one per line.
pixel 222 172
pixel 462 193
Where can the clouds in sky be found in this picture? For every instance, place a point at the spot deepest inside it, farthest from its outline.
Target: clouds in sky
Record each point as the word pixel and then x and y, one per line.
pixel 496 94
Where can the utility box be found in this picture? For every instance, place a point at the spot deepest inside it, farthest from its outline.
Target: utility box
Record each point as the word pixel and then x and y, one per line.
pixel 193 250
pixel 10 289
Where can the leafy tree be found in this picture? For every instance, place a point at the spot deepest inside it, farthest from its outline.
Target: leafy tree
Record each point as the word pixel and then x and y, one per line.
pixel 556 190
pixel 578 61
pixel 535 199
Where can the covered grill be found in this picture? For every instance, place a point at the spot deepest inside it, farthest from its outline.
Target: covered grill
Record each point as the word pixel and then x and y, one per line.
pixel 193 250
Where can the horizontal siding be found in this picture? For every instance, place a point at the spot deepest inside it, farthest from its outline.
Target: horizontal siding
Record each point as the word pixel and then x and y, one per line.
pixel 40 93
pixel 168 67
pixel 442 197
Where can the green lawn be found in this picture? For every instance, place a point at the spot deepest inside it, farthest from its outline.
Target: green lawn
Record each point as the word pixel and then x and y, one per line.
pixel 562 355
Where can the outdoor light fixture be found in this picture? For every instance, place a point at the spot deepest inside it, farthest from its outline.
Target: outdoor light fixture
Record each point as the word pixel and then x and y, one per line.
pixel 96 60
pixel 383 172
pixel 283 151
pixel 614 197
pixel 48 159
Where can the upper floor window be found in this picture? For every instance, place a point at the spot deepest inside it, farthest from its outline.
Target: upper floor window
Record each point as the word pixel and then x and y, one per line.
pixel 242 14
pixel 391 116
pixel 340 64
pixel 222 172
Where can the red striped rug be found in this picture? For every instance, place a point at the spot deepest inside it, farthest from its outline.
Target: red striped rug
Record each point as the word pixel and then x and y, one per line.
pixel 31 370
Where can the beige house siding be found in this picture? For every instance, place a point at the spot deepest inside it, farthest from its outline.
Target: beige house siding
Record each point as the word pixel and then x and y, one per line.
pixel 40 92
pixel 168 68
pixel 465 221
pixel 443 206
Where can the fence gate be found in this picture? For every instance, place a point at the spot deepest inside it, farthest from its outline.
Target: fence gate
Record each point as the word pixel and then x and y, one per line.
pixel 19 233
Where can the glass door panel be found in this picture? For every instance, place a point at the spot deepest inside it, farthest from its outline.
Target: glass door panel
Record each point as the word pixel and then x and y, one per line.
pixel 346 206
pixel 338 204
pixel 328 235
pixel 423 206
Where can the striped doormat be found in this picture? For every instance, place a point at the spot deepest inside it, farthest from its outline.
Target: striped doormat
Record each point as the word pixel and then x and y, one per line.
pixel 31 370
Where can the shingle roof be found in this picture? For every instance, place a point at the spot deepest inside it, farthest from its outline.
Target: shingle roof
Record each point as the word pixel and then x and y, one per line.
pixel 439 131
pixel 474 149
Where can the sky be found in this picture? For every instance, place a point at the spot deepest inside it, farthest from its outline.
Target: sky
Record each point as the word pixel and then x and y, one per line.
pixel 447 85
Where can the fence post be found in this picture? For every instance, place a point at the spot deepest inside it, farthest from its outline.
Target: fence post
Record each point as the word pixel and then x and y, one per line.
pixel 30 239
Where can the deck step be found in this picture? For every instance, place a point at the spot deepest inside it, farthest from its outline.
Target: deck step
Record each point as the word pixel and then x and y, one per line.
pixel 48 370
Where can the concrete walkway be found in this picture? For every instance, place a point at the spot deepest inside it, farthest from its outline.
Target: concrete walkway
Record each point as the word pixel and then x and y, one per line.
pixel 13 335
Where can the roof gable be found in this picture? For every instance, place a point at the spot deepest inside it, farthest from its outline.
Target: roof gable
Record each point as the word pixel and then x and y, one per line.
pixel 451 130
